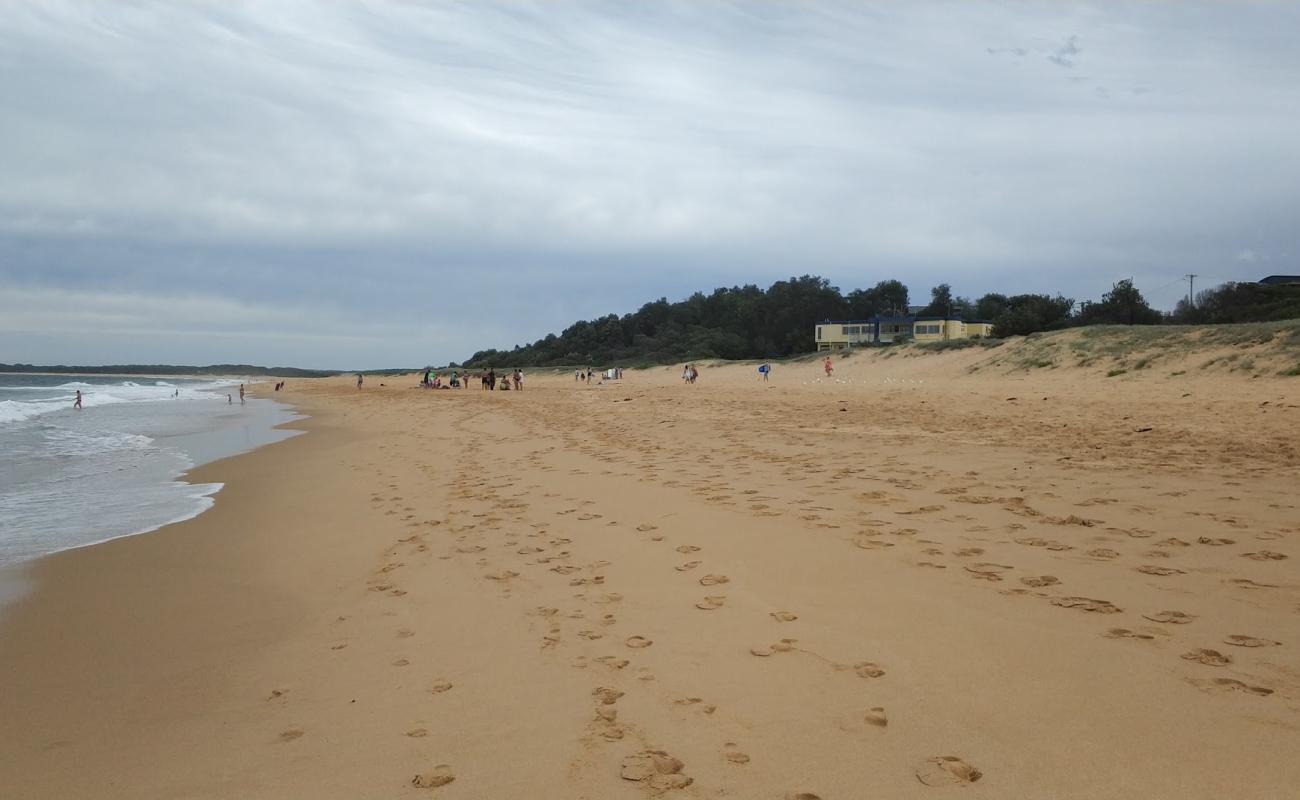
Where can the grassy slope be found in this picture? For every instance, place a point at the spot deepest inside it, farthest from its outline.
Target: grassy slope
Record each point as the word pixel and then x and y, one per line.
pixel 1253 350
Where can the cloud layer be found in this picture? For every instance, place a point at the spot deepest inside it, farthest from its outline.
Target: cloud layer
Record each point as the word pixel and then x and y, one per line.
pixel 356 184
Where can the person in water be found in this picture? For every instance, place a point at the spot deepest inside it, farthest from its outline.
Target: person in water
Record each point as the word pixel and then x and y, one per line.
pixel 77 403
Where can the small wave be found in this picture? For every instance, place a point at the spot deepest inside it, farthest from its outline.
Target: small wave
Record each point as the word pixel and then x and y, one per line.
pixel 69 442
pixel 75 385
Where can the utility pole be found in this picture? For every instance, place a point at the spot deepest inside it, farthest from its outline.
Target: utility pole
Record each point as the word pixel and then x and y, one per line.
pixel 1191 291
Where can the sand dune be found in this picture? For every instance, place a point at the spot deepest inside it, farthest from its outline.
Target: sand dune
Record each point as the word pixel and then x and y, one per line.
pixel 907 579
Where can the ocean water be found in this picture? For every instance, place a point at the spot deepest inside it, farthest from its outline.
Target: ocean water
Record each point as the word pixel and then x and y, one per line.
pixel 73 478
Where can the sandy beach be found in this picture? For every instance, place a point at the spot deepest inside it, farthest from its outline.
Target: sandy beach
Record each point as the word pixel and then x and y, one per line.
pixel 910 580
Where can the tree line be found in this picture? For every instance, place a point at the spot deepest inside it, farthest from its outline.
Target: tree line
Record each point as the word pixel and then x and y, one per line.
pixel 747 322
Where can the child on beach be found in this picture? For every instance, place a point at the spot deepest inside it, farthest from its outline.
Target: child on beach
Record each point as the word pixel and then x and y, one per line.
pixel 241 394
pixel 77 403
pixel 829 368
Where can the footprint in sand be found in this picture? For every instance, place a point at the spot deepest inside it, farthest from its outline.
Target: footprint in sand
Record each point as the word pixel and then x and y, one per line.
pixel 439 687
pixel 876 716
pixel 1233 685
pixel 1264 555
pixel 637 642
pixel 565 569
pixel 733 755
pixel 1215 542
pixel 686 548
pixel 503 575
pixel 1149 569
pixel 988 572
pixel 802 796
pixel 1041 581
pixel 418 733
pixel 339 646
pixel 1247 583
pixel 967 552
pixel 613 662
pixel 689 565
pixel 711 603
pixel 947 771
pixel 402 662
pixel 606 599
pixel 872 544
pixel 783 646
pixel 868 669
pixel 405 633
pixel 1125 633
pixel 590 635
pixel 606 696
pixel 646 527
pixel 656 769
pixel 1241 640
pixel 1208 657
pixel 714 580
pixel 290 735
pixel 440 775
pixel 783 616
pixel 931 564
pixel 1087 604
pixel 1103 553
pixel 1170 617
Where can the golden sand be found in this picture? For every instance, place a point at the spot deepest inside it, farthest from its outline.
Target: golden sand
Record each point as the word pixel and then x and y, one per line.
pixel 886 584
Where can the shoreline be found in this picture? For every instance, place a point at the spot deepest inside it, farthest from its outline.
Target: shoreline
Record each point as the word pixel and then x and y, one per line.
pixel 197 448
pixel 524 591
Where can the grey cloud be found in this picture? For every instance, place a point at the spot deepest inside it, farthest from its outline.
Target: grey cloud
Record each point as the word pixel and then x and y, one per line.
pixel 424 180
pixel 1065 55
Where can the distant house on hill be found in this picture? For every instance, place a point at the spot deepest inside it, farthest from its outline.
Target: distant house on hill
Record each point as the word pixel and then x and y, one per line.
pixel 1281 280
pixel 845 334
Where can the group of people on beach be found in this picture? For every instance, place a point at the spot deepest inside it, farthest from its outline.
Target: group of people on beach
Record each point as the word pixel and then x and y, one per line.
pixel 432 380
pixel 504 383
pixel 690 373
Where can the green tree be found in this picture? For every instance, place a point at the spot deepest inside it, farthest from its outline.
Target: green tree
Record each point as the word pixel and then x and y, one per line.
pixel 1122 305
pixel 991 306
pixel 941 302
pixel 1024 314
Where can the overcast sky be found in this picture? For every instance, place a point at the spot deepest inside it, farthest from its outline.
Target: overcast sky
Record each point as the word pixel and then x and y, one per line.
pixel 347 184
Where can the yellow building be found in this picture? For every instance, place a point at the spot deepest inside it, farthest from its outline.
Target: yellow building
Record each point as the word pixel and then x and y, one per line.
pixel 941 329
pixel 844 334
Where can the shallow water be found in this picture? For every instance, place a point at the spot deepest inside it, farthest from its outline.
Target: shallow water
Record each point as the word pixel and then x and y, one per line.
pixel 73 478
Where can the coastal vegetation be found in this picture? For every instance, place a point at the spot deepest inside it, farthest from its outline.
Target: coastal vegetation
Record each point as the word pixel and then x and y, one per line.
pixel 748 322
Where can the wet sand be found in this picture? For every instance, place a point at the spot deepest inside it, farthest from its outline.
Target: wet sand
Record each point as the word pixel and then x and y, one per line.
pixel 901 579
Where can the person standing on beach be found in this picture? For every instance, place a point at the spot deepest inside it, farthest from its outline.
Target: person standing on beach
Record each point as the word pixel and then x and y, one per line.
pixel 359 380
pixel 765 370
pixel 77 403
pixel 241 394
pixel 829 368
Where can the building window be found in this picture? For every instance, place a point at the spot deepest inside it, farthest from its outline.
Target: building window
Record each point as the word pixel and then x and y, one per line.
pixel 819 333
